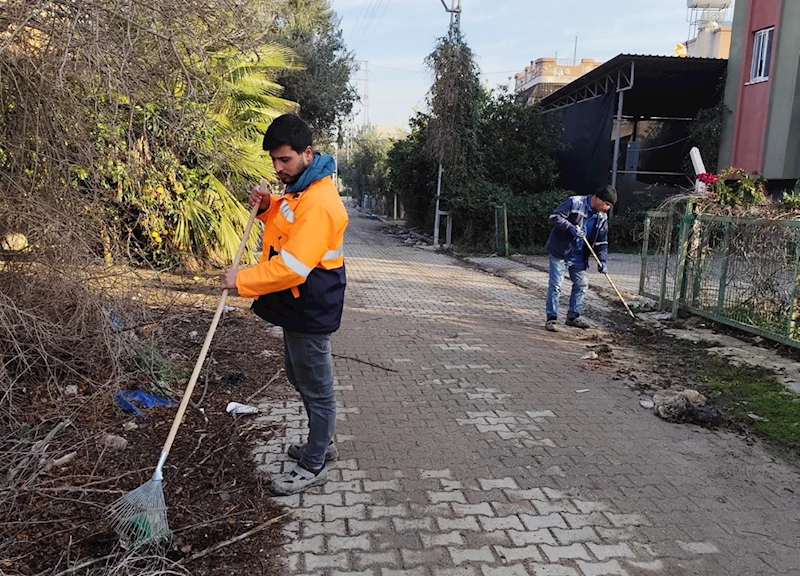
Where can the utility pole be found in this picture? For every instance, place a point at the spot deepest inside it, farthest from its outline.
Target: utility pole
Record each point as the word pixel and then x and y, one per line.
pixel 455 26
pixel 364 67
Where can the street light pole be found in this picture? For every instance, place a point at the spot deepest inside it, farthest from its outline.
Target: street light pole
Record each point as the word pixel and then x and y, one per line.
pixel 455 25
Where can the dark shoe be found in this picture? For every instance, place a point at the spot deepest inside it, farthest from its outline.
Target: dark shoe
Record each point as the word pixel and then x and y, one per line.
pixel 551 326
pixel 296 450
pixel 578 323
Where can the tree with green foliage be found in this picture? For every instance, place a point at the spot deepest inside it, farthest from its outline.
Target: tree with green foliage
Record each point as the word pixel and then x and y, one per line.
pixel 149 121
pixel 454 104
pixel 323 89
pixel 412 173
pixel 493 150
pixel 519 142
pixel 366 172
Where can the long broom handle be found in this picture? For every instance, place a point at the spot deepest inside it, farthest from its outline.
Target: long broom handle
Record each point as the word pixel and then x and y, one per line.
pixel 210 336
pixel 610 281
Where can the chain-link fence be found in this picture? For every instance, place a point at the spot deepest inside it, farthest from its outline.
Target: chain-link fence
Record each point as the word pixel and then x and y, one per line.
pixel 738 271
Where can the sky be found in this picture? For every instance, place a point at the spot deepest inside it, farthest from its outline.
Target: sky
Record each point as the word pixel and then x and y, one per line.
pixel 394 36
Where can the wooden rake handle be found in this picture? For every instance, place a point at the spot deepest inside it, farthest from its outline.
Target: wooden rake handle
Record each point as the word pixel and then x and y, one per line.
pixel 209 336
pixel 610 281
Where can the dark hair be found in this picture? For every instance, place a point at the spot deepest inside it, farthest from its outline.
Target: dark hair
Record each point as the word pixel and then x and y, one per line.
pixel 288 129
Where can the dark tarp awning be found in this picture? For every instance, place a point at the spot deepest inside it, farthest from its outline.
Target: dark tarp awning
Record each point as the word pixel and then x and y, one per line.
pixel 654 87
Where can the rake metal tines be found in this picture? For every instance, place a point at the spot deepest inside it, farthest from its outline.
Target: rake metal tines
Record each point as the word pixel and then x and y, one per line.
pixel 140 516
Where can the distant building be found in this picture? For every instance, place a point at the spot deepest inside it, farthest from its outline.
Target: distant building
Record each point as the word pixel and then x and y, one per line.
pixel 709 30
pixel 391 132
pixel 713 40
pixel 546 75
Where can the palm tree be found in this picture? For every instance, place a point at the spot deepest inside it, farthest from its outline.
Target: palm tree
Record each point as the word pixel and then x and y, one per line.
pixel 246 102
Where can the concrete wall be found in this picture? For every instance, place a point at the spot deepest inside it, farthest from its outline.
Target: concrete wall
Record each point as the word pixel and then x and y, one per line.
pixel 781 159
pixel 710 43
pixel 733 82
pixel 750 134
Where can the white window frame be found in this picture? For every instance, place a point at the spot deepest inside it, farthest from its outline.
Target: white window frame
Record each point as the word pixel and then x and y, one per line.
pixel 762 55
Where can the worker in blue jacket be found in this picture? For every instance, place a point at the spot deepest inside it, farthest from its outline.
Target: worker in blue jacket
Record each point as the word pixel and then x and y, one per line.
pixel 577 220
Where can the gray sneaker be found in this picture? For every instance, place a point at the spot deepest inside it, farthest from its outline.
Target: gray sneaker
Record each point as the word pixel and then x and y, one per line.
pixel 297 480
pixel 551 326
pixel 295 451
pixel 578 323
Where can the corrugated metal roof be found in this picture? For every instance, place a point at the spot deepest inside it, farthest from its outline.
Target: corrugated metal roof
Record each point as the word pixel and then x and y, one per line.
pixel 662 85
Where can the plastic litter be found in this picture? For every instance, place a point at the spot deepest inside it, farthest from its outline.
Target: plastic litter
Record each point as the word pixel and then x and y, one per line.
pixel 590 356
pixel 237 408
pixel 116 322
pixel 684 406
pixel 126 400
pixel 756 417
pixel 115 442
pixel 581 391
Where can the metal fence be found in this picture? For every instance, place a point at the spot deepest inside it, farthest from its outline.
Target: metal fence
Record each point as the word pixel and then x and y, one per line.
pixel 501 242
pixel 738 271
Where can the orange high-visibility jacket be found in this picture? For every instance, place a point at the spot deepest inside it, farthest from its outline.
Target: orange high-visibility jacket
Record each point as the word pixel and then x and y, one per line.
pixel 300 281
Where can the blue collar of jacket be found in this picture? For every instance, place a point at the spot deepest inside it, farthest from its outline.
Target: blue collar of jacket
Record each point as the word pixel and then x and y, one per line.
pixel 321 166
pixel 589 210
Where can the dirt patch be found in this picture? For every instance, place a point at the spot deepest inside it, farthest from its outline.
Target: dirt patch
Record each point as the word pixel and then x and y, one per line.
pixel 213 491
pixel 657 361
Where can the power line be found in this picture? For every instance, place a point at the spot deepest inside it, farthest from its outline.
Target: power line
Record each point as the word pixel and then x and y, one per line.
pixel 358 18
pixel 426 72
pixel 367 18
pixel 366 30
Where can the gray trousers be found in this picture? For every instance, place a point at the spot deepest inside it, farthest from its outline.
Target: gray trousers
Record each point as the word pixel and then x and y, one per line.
pixel 309 368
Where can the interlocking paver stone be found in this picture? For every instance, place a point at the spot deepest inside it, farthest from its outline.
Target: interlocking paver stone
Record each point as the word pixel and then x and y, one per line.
pixel 571 552
pixel 610 568
pixel 515 554
pixel 461 555
pixel 339 543
pixel 606 551
pixel 505 523
pixel 446 539
pixel 464 445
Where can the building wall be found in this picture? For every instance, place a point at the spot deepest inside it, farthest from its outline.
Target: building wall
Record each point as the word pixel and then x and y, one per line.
pixel 552 71
pixel 781 159
pixel 749 138
pixel 733 82
pixel 710 43
pixel 722 43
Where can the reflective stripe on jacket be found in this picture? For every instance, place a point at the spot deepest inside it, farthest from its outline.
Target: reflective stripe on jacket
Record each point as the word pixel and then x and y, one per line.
pixel 570 213
pixel 300 281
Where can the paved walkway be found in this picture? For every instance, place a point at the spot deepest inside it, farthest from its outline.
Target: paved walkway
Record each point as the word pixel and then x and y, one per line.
pixel 467 451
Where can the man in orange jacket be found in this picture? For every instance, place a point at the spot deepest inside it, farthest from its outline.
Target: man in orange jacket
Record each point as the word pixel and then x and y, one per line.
pixel 299 285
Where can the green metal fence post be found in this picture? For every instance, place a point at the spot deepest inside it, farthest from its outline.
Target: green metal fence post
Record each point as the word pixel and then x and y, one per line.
pixel 498 231
pixel 683 242
pixel 667 243
pixel 723 274
pixel 792 324
pixel 700 260
pixel 643 273
pixel 505 229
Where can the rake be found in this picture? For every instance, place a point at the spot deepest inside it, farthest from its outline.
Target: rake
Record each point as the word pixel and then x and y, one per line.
pixel 610 281
pixel 140 516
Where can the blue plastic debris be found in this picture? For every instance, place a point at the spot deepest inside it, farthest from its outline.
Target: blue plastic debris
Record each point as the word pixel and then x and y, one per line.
pixel 126 401
pixel 116 322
